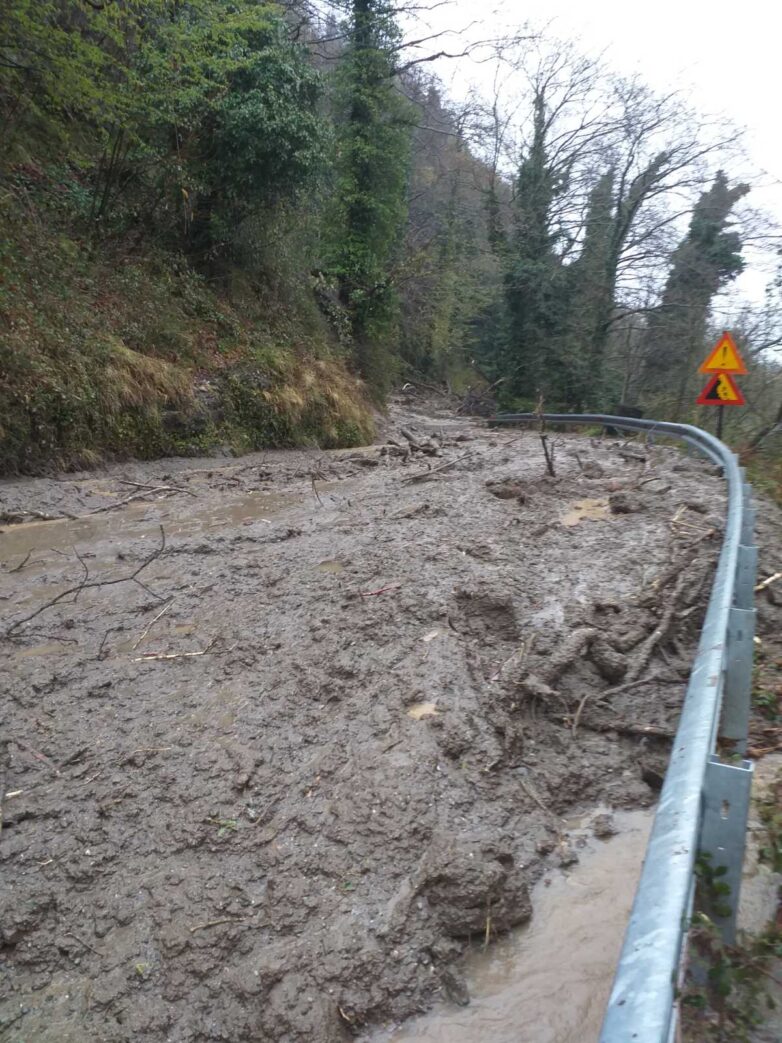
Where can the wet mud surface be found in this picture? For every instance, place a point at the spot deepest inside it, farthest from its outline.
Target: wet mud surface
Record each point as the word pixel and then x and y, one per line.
pixel 283 736
pixel 549 981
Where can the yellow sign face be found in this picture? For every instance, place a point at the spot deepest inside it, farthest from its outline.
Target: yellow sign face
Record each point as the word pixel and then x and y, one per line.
pixel 724 358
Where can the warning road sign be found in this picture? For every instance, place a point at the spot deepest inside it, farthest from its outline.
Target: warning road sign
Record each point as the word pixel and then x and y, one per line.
pixel 721 391
pixel 725 358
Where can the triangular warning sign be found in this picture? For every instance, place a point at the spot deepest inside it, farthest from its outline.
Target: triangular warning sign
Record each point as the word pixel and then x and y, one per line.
pixel 724 358
pixel 721 390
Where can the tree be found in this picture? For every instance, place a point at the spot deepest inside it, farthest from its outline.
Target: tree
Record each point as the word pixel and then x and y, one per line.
pixel 534 286
pixel 370 193
pixel 706 260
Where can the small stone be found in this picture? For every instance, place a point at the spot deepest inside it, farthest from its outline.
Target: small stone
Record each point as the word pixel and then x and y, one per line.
pixel 566 854
pixel 455 987
pixel 625 503
pixel 507 490
pixel 604 825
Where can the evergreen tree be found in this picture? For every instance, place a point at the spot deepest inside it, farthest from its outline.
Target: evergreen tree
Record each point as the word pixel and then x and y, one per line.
pixel 591 299
pixel 534 286
pixel 370 203
pixel 706 260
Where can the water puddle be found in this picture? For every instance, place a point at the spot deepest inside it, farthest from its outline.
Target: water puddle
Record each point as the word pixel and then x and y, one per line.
pixel 549 982
pixel 52 648
pixel 420 710
pixel 585 510
pixel 183 517
pixel 331 566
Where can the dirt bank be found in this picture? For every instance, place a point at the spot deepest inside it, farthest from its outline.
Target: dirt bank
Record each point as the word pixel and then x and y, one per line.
pixel 307 722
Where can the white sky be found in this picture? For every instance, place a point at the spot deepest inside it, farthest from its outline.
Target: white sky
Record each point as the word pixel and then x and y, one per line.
pixel 727 57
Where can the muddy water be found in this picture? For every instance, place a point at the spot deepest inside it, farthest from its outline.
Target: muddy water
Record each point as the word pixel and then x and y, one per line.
pixel 136 519
pixel 549 982
pixel 586 510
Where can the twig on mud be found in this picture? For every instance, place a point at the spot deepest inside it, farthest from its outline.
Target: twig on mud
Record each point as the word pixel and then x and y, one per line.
pixel 132 578
pixel 215 923
pixel 424 476
pixel 167 489
pixel 23 563
pixel 70 934
pixel 86 575
pixel 15 517
pixel 153 488
pixel 621 727
pixel 3 777
pixel 761 586
pixel 548 453
pixel 660 631
pixel 315 491
pixel 653 679
pixel 533 796
pixel 382 590
pixel 511 668
pixel 209 650
pixel 162 612
pixel 37 754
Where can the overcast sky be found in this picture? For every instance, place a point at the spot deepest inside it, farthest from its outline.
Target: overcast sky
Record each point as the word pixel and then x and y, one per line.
pixel 726 56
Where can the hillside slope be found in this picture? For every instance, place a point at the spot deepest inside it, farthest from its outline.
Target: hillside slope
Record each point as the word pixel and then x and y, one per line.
pixel 121 349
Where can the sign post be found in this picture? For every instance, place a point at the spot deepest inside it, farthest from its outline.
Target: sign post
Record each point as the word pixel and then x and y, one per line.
pixel 721 389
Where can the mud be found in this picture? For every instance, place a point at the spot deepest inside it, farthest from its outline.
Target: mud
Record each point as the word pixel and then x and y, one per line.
pixel 549 981
pixel 269 779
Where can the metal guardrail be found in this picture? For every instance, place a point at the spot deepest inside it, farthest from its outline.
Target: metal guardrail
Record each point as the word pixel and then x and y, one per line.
pixel 704 802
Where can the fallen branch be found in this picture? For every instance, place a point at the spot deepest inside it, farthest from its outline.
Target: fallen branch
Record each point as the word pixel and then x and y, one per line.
pixel 166 489
pixel 424 476
pixel 609 692
pixel 549 455
pixel 132 578
pixel 209 650
pixel 153 488
pixel 660 631
pixel 621 727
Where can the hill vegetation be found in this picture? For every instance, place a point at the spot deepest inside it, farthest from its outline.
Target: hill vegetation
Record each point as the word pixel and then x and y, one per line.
pixel 234 223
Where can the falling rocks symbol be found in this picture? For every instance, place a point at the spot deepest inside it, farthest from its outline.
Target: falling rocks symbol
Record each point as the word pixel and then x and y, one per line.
pixel 721 390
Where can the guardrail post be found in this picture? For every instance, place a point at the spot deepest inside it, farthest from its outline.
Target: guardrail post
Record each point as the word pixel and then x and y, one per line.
pixel 741 634
pixel 746 571
pixel 738 678
pixel 726 795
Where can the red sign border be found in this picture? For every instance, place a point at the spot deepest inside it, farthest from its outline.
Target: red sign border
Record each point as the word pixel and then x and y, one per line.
pixel 706 368
pixel 703 401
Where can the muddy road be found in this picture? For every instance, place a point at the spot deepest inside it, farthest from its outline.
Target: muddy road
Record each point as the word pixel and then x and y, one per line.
pixel 283 736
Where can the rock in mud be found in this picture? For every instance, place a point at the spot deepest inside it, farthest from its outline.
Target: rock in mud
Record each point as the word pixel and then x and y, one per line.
pixel 464 886
pixel 610 664
pixel 455 987
pixel 592 469
pixel 507 490
pixel 604 825
pixel 625 503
